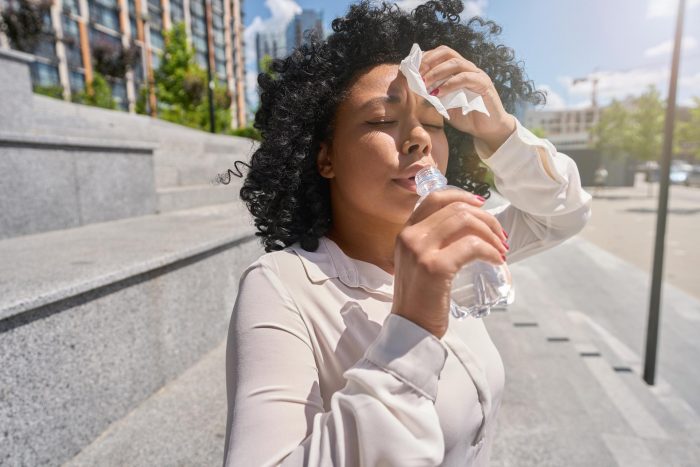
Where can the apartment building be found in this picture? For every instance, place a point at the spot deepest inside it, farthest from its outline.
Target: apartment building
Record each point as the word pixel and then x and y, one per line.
pixel 74 28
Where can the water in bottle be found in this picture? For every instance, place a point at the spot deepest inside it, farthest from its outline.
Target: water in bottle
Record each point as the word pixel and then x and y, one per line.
pixel 479 285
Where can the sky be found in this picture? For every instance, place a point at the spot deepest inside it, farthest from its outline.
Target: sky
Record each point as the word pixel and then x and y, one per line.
pixel 626 44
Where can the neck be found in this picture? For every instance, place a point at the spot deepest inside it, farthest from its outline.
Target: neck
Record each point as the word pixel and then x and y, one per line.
pixel 372 242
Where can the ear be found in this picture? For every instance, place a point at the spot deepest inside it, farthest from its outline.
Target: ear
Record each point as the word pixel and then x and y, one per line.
pixel 324 161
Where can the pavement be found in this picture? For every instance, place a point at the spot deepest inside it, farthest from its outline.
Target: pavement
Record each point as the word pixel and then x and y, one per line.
pixel 572 350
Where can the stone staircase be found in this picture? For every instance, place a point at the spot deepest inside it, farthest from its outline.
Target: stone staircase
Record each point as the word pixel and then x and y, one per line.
pixel 119 264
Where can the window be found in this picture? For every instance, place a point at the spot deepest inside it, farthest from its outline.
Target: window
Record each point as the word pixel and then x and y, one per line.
pixel 105 13
pixel 44 74
pixel 157 39
pixel 77 81
pixel 119 94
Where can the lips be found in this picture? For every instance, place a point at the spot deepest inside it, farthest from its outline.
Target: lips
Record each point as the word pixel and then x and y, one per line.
pixel 407 183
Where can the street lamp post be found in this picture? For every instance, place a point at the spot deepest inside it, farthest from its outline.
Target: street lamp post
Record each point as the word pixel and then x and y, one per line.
pixel 655 300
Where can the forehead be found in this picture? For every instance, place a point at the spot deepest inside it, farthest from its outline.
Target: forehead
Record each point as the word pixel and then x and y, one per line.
pixel 379 79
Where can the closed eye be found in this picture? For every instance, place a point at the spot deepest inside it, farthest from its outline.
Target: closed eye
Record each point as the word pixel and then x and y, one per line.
pixel 389 122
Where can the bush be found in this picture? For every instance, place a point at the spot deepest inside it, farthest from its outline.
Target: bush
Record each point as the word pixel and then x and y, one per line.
pixel 101 95
pixel 51 91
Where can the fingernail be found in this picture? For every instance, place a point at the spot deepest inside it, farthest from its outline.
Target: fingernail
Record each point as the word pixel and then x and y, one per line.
pixel 503 257
pixel 480 198
pixel 504 233
pixel 435 92
pixel 505 245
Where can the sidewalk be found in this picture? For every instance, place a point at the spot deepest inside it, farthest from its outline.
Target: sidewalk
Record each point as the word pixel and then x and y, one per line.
pixel 564 403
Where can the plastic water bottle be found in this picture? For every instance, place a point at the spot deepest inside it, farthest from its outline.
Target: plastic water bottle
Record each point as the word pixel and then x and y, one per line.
pixel 479 285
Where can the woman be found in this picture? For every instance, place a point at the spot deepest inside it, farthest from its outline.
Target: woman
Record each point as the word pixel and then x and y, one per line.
pixel 339 349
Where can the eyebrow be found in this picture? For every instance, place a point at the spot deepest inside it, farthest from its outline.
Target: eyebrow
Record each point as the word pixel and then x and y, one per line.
pixel 390 99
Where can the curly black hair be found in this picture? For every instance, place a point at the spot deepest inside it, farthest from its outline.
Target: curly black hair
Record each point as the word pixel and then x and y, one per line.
pixel 288 198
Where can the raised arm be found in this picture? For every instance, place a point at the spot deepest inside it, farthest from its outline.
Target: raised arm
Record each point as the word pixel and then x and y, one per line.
pixel 547 204
pixel 385 414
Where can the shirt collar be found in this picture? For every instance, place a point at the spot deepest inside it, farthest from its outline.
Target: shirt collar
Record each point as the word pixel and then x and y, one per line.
pixel 329 262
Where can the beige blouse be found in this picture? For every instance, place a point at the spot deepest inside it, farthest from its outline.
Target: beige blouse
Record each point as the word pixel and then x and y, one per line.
pixel 320 373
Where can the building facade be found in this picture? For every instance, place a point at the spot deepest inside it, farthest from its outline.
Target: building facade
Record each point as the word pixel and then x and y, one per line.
pixel 305 21
pixel 75 29
pixel 566 128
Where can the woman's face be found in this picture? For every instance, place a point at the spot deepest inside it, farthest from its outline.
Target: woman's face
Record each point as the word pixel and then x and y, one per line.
pixel 383 133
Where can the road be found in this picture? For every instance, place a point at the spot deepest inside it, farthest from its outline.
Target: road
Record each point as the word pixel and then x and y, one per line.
pixel 624 223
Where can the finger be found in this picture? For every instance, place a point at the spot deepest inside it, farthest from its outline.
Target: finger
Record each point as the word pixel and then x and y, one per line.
pixel 438 199
pixel 434 57
pixel 495 226
pixel 468 249
pixel 456 221
pixel 478 82
pixel 443 71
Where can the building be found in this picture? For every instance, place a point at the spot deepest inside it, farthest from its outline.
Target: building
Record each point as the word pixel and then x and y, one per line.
pixel 76 29
pixel 305 21
pixel 566 128
pixel 271 44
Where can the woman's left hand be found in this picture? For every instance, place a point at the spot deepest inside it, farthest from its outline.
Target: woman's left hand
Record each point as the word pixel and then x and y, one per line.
pixel 444 71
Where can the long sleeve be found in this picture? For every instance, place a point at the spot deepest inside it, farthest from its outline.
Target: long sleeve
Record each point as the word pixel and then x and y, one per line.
pixel 547 204
pixel 385 414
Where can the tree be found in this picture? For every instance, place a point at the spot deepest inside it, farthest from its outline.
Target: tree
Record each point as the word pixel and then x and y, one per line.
pixel 611 134
pixel 181 86
pixel 647 132
pixel 688 132
pixel 99 94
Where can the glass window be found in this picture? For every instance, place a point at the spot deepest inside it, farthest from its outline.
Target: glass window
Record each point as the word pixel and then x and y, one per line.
pixel 155 60
pixel 202 60
pixel 105 13
pixel 46 48
pixel 119 94
pixel 157 39
pixel 71 6
pixel 77 81
pixel 196 8
pixel 44 74
pixel 177 13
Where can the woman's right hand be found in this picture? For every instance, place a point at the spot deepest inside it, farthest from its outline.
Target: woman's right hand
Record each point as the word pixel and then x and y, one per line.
pixel 448 230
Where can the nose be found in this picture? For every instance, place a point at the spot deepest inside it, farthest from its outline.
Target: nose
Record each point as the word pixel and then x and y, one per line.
pixel 417 141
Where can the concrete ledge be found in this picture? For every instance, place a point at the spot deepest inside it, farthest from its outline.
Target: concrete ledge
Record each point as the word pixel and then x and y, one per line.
pixel 97 319
pixel 97 255
pixel 16 56
pixel 73 143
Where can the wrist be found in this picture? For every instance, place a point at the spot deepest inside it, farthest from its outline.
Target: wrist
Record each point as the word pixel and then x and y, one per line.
pixel 496 139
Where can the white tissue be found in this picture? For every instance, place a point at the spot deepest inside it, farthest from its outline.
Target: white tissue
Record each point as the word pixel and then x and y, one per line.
pixel 464 98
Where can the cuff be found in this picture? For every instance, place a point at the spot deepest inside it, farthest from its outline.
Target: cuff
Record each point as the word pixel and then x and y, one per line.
pixel 514 152
pixel 410 353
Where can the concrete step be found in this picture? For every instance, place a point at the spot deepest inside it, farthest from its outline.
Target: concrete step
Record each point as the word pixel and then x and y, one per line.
pixel 94 320
pixel 188 197
pixel 184 423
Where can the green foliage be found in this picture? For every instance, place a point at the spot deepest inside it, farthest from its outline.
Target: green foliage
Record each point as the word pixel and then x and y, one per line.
pixel 24 24
pixel 612 133
pixel 637 129
pixel 246 132
pixel 51 91
pixel 539 132
pixel 101 95
pixel 181 87
pixel 688 133
pixel 266 66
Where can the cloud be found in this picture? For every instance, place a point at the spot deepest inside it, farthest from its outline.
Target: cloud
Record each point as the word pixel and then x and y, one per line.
pixel 665 8
pixel 282 12
pixel 554 100
pixel 617 84
pixel 666 47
